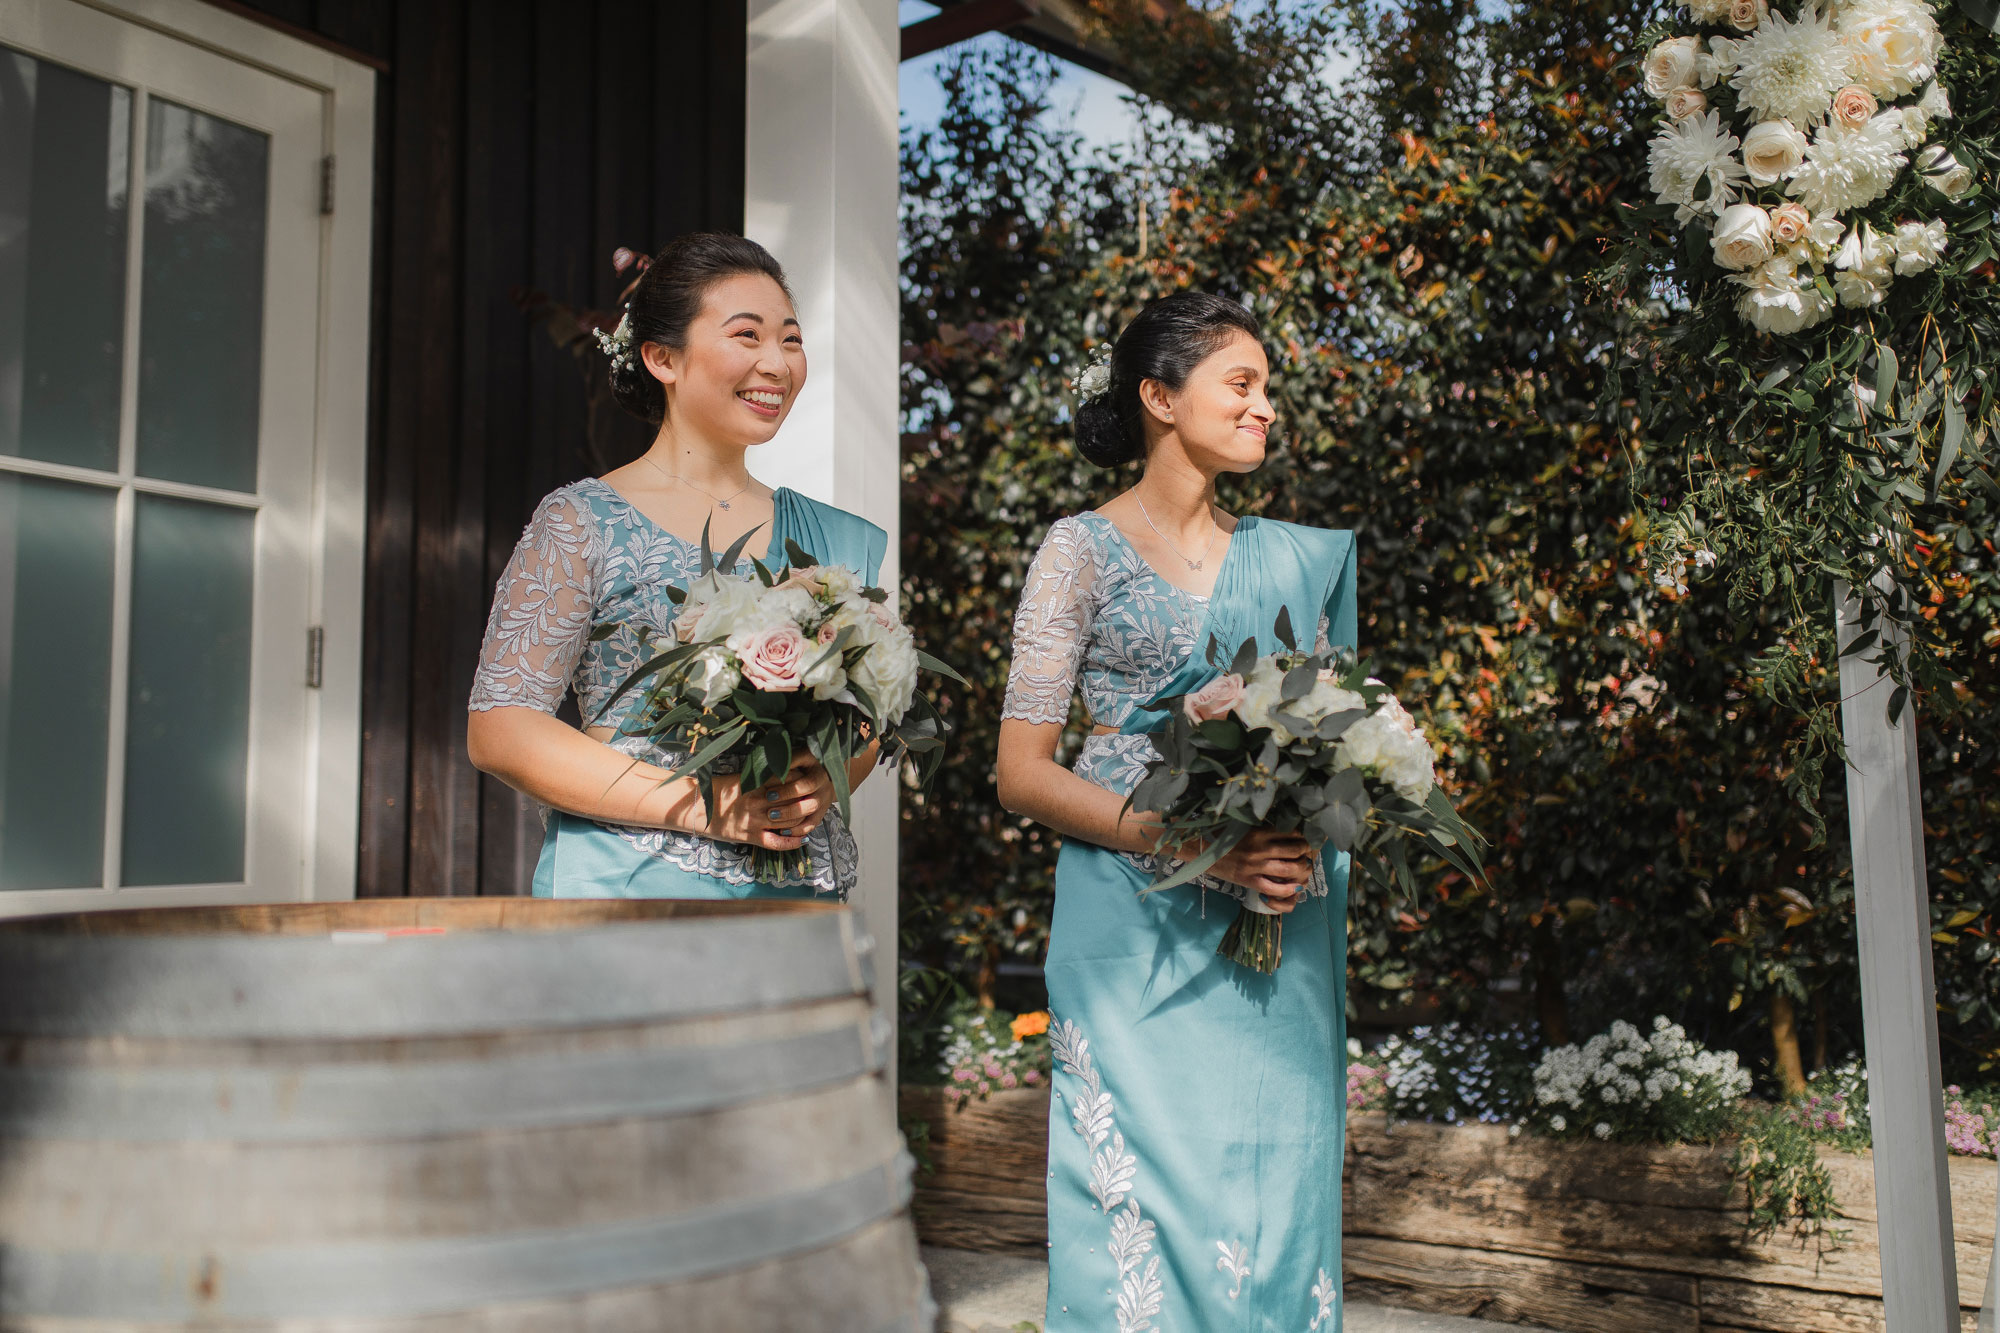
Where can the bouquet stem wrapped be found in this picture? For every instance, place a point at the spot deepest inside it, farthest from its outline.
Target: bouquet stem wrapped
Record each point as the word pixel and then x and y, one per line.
pixel 1294 743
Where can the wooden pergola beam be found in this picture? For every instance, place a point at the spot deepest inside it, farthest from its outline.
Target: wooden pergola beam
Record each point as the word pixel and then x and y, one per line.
pixel 961 22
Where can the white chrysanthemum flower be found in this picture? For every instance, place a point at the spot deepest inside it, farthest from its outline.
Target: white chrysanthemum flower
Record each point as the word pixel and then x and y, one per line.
pixel 1850 166
pixel 1893 45
pixel 1790 69
pixel 1689 153
pixel 1780 298
pixel 1920 245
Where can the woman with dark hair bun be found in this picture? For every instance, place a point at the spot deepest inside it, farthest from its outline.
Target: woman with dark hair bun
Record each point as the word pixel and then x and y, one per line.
pixel 1195 1147
pixel 710 350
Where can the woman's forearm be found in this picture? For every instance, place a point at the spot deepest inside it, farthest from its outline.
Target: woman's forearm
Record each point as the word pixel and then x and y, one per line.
pixel 1051 795
pixel 546 758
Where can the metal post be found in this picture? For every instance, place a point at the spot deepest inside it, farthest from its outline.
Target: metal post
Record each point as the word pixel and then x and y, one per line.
pixel 1898 993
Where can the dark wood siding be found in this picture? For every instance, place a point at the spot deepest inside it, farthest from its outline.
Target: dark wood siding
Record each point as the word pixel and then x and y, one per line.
pixel 518 142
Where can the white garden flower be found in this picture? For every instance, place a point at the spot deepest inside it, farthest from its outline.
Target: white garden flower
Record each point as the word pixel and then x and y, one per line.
pixel 1935 103
pixel 1709 11
pixel 1690 155
pixel 1672 64
pixel 719 605
pixel 1790 69
pixel 1853 105
pixel 711 675
pixel 1920 245
pixel 1893 44
pixel 888 671
pixel 1916 128
pixel 1772 151
pixel 1742 237
pixel 1262 690
pixel 1943 172
pixel 1780 297
pixel 1850 166
pixel 1603 1130
pixel 1789 224
pixel 1717 63
pixel 1863 268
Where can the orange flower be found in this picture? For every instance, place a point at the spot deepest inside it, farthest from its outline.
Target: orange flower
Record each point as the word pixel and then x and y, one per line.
pixel 1031 1025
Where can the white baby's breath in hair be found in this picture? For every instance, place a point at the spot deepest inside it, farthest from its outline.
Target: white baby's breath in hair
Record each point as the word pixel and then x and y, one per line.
pixel 617 344
pixel 1095 378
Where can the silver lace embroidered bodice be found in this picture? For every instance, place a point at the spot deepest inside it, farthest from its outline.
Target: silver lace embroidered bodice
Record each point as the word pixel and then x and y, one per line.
pixel 588 559
pixel 1096 619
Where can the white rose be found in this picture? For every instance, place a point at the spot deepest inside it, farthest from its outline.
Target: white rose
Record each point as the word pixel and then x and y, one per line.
pixel 824 675
pixel 1672 64
pixel 1920 245
pixel 1943 172
pixel 1772 151
pixel 1823 237
pixel 1893 45
pixel 1747 14
pixel 1709 11
pixel 888 671
pixel 1777 299
pixel 1685 102
pixel 1742 237
pixel 1262 696
pixel 1854 105
pixel 719 605
pixel 1407 765
pixel 711 675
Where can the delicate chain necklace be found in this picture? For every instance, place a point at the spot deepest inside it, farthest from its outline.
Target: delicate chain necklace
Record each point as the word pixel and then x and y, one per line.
pixel 1213 528
pixel 721 502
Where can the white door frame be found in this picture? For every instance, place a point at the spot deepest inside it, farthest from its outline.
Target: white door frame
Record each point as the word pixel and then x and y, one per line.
pixel 334 516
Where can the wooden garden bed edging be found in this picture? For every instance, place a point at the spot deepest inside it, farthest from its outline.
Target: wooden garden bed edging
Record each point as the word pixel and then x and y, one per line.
pixel 1584 1237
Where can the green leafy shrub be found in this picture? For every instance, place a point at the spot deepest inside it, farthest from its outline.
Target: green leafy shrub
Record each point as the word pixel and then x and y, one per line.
pixel 1627 1086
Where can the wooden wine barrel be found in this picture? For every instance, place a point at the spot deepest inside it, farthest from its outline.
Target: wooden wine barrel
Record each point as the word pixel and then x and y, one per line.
pixel 504 1115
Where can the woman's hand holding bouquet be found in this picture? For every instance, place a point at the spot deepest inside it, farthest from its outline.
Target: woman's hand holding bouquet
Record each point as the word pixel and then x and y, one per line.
pixel 780 680
pixel 1291 744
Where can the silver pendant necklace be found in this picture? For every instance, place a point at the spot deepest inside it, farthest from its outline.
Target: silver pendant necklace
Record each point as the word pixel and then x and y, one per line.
pixel 1196 563
pixel 720 502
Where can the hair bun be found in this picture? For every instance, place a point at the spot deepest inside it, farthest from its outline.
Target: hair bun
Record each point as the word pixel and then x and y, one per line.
pixel 635 390
pixel 1103 436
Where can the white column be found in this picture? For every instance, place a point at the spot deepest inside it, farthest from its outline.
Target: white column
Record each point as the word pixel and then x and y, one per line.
pixel 820 181
pixel 1898 993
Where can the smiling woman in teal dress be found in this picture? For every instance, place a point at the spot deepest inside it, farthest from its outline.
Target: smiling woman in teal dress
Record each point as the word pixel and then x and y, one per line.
pixel 711 351
pixel 1196 1140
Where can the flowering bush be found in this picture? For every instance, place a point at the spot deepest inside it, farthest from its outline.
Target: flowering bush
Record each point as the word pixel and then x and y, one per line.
pixel 1449 1072
pixel 1972 1122
pixel 1624 1085
pixel 983 1051
pixel 1834 1107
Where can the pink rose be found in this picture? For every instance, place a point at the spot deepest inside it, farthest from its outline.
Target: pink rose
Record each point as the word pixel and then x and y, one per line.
pixel 880 613
pixel 1747 14
pixel 1685 102
pixel 1214 699
pixel 773 659
pixel 828 633
pixel 1789 223
pixel 1853 105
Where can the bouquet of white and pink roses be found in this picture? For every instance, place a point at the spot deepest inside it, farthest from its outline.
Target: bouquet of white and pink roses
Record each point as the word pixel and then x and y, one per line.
pixel 767 666
pixel 1295 743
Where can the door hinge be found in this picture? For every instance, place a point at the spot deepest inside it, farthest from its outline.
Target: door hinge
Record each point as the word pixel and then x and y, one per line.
pixel 326 185
pixel 315 656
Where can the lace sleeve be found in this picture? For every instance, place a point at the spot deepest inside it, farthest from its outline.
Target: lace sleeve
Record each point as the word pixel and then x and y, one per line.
pixel 541 611
pixel 1052 627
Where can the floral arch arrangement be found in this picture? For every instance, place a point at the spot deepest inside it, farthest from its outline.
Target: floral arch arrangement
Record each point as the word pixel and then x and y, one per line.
pixel 1810 384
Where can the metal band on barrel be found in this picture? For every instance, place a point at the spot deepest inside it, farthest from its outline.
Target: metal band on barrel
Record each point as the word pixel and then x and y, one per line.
pixel 423 1276
pixel 233 987
pixel 264 1103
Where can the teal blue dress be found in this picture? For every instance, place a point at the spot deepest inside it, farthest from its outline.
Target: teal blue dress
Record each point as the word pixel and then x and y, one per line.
pixel 1196 1136
pixel 590 559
